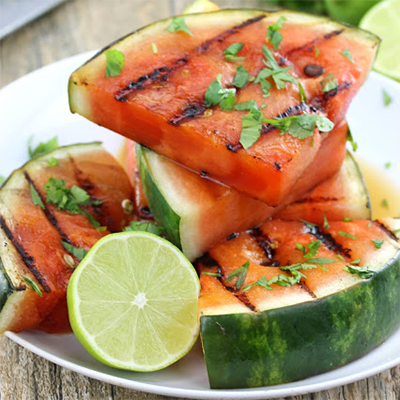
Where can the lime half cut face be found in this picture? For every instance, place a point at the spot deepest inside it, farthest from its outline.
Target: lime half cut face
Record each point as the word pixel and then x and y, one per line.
pixel 133 302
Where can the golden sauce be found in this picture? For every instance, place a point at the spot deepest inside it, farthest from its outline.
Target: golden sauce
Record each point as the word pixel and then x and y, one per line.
pixel 384 192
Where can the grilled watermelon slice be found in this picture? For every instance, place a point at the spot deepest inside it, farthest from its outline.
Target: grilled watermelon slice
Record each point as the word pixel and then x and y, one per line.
pixel 31 248
pixel 197 213
pixel 158 99
pixel 272 334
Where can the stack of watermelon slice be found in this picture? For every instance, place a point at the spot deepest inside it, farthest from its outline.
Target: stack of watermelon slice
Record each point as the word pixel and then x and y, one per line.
pixel 240 117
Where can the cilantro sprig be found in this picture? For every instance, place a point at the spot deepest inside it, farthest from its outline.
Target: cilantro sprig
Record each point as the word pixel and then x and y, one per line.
pixel 77 252
pixel 240 275
pixel 33 285
pixel 115 60
pixel 274 36
pixel 144 227
pixel 178 24
pixel 42 147
pixel 299 126
pixel 329 83
pixel 70 199
pixel 363 272
pixel 230 53
pixel 217 94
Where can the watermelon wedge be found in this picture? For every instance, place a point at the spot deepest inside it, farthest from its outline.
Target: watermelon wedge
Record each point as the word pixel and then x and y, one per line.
pixel 35 264
pixel 158 100
pixel 197 213
pixel 290 300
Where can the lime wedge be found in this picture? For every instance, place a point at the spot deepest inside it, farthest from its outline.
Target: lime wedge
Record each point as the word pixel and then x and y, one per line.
pixel 383 20
pixel 200 6
pixel 132 302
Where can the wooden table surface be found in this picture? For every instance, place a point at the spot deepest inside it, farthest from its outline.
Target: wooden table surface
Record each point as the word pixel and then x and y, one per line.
pixel 77 26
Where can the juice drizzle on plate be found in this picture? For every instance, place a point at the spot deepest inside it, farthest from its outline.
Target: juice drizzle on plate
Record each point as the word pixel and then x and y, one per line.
pixel 384 192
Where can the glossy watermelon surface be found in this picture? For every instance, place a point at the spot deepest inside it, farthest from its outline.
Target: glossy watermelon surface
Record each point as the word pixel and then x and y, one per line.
pixel 158 99
pixel 268 329
pixel 32 254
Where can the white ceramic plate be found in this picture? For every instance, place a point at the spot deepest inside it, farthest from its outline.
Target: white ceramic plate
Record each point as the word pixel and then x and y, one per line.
pixel 37 104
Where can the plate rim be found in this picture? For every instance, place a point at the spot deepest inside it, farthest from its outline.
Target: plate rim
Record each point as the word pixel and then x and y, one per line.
pixel 248 393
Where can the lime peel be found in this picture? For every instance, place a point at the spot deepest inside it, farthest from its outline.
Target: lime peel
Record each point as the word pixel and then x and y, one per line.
pixel 133 302
pixel 383 20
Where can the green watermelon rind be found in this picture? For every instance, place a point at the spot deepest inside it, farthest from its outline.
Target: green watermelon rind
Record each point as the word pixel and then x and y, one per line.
pixel 161 210
pixel 292 343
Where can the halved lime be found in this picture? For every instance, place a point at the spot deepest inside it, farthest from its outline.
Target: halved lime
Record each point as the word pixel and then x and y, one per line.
pixel 383 20
pixel 132 302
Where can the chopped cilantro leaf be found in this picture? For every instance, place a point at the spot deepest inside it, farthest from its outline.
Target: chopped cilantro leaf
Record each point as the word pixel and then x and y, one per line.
pixel 217 94
pixel 69 199
pixel 346 53
pixel 275 37
pixel 52 162
pixel 239 273
pixel 228 100
pixel 378 243
pixel 387 99
pixel 216 274
pixel 312 248
pixel 340 257
pixel 42 147
pixel 362 272
pixel 115 62
pixel 326 223
pixel 231 52
pixel 346 219
pixel 145 227
pixel 356 261
pixel 241 78
pixel 301 126
pixel 388 165
pixel 154 48
pixel 321 261
pixel 348 235
pixel 75 251
pixel 179 24
pixel 36 199
pixel 350 139
pixel 33 285
pixel 303 96
pixel 246 106
pixel 251 128
pixel 309 225
pixel 316 52
pixel 329 83
pixel 385 203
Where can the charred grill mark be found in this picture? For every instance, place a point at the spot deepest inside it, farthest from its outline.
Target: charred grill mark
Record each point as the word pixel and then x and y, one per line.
pixel 310 46
pixel 85 183
pixel 202 48
pixel 245 300
pixel 267 128
pixel 233 147
pixel 316 200
pixel 305 287
pixel 159 74
pixel 232 236
pixel 267 246
pixel 319 102
pixel 289 112
pixel 388 232
pixel 48 213
pixel 28 260
pixel 328 240
pixel 163 73
pixel 209 262
pixel 191 110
